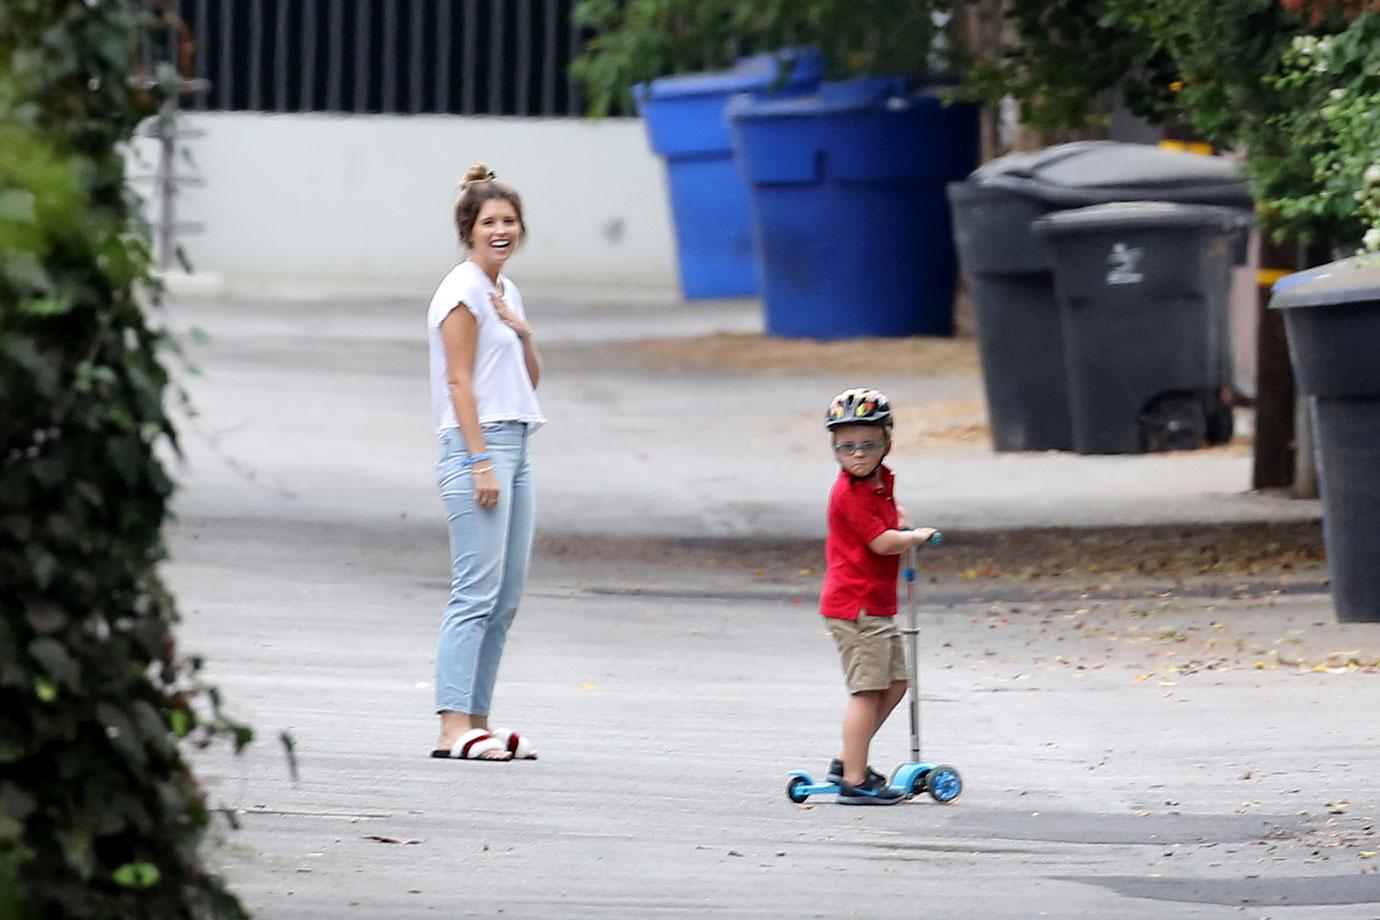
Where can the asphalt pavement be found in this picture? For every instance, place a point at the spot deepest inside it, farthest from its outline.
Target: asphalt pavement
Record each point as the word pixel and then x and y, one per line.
pixel 1135 742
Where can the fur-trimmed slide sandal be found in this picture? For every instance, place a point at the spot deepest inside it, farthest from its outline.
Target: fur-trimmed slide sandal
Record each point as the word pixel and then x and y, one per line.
pixel 475 744
pixel 515 744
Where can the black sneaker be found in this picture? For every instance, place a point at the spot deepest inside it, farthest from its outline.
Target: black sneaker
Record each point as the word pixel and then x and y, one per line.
pixel 874 791
pixel 835 774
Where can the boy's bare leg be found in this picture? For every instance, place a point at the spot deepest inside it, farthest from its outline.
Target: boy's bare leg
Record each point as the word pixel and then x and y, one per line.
pixel 859 725
pixel 887 701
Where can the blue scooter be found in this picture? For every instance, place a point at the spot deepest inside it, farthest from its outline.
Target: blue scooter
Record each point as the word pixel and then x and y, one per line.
pixel 914 776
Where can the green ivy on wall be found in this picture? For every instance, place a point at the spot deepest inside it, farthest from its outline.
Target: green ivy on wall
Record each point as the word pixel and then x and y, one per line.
pixel 100 816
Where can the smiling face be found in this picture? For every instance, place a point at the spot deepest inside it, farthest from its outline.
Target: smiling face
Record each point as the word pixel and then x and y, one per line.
pixel 497 231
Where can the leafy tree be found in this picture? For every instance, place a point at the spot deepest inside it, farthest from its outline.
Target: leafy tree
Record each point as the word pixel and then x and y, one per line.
pixel 1340 74
pixel 638 40
pixel 100 816
pixel 1228 67
pixel 1320 10
pixel 1064 58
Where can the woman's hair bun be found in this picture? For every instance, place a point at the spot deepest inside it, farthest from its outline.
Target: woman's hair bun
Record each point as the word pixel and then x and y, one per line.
pixel 477 173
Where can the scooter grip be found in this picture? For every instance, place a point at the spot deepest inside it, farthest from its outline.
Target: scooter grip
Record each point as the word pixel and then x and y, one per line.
pixel 936 538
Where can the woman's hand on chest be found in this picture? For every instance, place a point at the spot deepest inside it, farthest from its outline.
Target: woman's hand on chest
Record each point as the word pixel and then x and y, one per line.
pixel 508 316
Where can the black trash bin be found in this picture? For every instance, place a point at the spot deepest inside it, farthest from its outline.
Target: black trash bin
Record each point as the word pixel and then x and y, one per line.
pixel 1332 318
pixel 1010 276
pixel 1143 290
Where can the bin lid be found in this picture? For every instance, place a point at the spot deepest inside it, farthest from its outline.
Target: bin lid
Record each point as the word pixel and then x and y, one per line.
pixel 756 73
pixel 1346 281
pixel 1143 215
pixel 1090 172
pixel 833 97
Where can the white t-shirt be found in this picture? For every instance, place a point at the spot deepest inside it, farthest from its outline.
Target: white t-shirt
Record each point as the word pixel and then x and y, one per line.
pixel 502 390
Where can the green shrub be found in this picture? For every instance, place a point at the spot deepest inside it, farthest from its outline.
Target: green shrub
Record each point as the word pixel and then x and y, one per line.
pixel 1339 132
pixel 638 40
pixel 1291 84
pixel 100 816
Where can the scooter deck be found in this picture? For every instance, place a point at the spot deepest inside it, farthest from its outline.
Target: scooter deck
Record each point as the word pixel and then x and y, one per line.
pixel 941 781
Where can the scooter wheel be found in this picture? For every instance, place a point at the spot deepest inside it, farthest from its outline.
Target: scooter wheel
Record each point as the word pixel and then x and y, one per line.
pixel 943 783
pixel 793 789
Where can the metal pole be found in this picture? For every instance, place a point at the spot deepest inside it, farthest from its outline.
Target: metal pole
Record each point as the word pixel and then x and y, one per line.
pixel 335 55
pixel 469 57
pixel 912 633
pixel 280 58
pixel 498 11
pixel 389 57
pixel 522 74
pixel 416 56
pixel 203 31
pixel 311 31
pixel 445 34
pixel 363 26
pixel 256 55
pixel 573 104
pixel 548 68
pixel 225 86
pixel 167 185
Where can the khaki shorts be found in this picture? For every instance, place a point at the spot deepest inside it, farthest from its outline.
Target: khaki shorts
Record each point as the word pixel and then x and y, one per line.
pixel 871 651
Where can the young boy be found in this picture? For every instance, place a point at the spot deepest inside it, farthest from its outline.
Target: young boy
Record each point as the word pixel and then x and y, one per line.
pixel 858 599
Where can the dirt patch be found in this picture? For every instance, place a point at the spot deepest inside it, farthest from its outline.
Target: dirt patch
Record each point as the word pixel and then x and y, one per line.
pixel 754 352
pixel 1270 551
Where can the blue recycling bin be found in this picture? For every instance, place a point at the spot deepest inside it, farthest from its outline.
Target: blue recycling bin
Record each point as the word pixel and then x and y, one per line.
pixel 847 189
pixel 685 122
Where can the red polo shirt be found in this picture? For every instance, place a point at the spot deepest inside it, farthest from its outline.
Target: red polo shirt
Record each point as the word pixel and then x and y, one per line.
pixel 856 579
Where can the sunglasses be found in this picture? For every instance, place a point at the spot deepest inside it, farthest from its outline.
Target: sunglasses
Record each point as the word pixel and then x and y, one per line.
pixel 845 448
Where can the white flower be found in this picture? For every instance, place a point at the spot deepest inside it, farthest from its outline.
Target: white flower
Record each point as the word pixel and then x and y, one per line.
pixel 1372 240
pixel 1371 175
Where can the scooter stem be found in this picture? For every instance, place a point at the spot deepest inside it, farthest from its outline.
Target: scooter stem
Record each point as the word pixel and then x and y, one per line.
pixel 912 632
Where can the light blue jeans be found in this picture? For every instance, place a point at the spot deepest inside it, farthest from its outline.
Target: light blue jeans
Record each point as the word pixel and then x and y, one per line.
pixel 490 552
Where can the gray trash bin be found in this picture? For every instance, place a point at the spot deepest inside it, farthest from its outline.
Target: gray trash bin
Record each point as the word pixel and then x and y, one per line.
pixel 1143 289
pixel 1332 318
pixel 1010 275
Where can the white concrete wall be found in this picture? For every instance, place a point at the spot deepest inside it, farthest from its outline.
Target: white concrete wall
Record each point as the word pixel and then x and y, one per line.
pixel 339 203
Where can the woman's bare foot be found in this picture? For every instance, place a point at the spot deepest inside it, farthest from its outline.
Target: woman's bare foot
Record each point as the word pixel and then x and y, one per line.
pixel 456 724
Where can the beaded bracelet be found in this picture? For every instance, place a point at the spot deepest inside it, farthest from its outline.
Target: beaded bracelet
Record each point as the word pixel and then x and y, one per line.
pixel 473 459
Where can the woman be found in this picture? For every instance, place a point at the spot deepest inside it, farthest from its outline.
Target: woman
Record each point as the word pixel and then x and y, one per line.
pixel 484 373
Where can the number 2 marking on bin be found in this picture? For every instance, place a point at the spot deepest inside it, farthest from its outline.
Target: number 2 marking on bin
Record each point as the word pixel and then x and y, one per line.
pixel 1125 262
